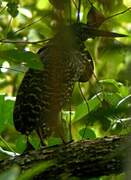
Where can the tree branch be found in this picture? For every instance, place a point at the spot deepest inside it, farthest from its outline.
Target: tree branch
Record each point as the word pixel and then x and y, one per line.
pixel 82 159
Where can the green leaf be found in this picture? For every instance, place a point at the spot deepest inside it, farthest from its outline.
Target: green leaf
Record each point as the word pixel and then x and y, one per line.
pixel 111 84
pixel 34 140
pixel 5 47
pixel 83 109
pixel 53 141
pixel 114 86
pixel 112 98
pixel 87 133
pixel 8 146
pixel 11 174
pixel 16 56
pixel 21 143
pixel 8 110
pixel 95 102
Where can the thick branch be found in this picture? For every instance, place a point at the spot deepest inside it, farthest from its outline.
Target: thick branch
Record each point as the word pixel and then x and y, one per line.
pixel 83 159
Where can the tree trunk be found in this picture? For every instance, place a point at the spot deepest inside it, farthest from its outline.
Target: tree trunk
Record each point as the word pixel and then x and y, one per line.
pixel 87 158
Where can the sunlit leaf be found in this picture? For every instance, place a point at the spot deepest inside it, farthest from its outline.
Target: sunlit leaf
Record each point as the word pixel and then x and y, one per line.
pixel 8 110
pixel 7 146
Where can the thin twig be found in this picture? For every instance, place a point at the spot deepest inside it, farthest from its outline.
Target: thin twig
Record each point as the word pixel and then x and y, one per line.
pixel 114 15
pixel 117 14
pixel 28 25
pixel 12 69
pixel 23 42
pixel 87 108
pixel 100 87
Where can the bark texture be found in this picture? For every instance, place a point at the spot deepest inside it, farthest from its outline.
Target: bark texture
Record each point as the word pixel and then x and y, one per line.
pixel 108 155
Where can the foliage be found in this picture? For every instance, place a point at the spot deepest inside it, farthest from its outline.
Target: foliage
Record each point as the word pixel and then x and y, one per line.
pixel 26 25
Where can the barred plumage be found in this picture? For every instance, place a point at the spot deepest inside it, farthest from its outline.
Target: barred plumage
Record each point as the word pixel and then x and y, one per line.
pixel 42 94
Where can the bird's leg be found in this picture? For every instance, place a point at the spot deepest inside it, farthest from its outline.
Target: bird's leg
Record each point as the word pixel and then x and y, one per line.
pixel 40 134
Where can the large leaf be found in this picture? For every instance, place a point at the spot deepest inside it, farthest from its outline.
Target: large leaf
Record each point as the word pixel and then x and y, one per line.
pixel 8 110
pixel 16 56
pixel 21 143
pixel 111 84
pixel 114 86
pixel 96 102
pixel 83 109
pixel 87 133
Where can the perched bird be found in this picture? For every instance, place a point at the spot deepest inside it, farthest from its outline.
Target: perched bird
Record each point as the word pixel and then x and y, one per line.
pixel 43 93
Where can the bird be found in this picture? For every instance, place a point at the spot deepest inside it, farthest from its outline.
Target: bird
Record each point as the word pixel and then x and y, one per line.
pixel 43 93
